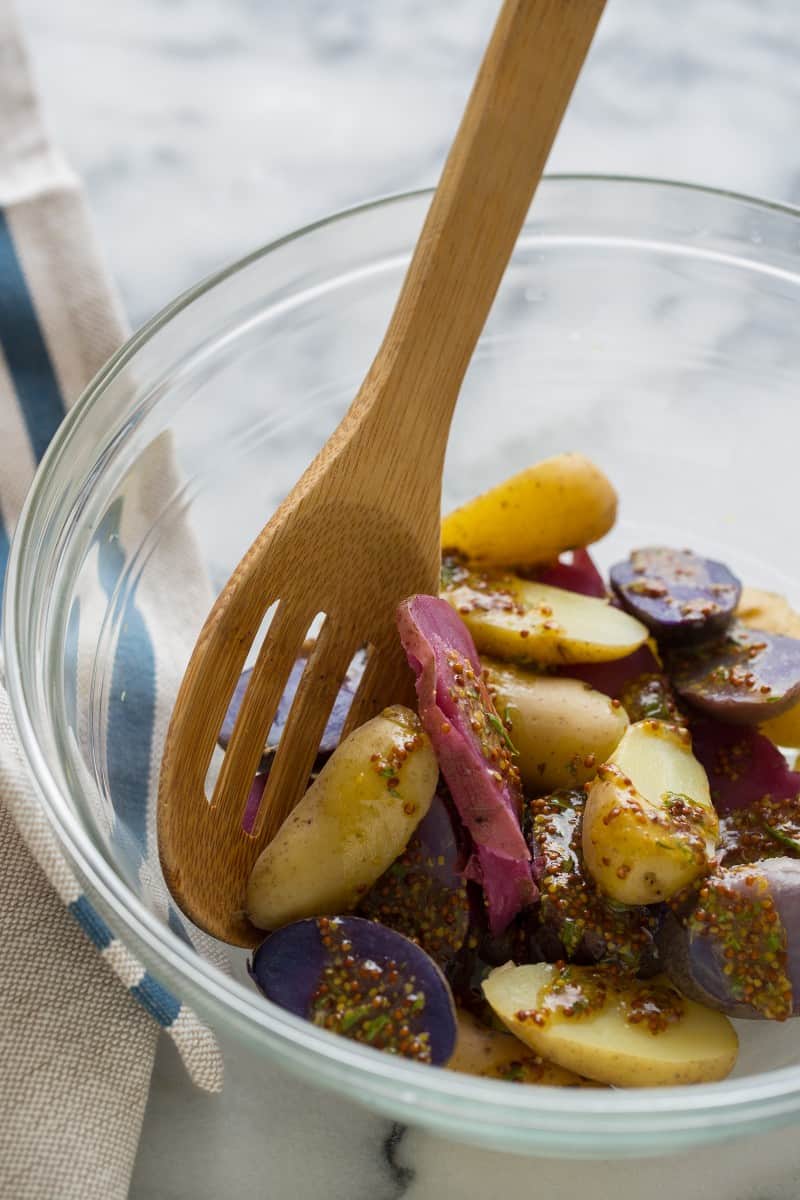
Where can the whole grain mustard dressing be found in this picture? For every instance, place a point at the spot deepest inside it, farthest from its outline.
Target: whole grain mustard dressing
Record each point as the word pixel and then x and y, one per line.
pixel 368 1001
pixel 578 994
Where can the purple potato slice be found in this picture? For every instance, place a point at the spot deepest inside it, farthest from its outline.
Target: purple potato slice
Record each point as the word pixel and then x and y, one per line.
pixel 423 895
pixel 744 677
pixel 336 721
pixel 677 594
pixel 361 980
pixel 737 948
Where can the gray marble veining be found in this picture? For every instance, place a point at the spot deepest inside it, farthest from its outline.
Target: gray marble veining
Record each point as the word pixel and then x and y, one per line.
pixel 204 128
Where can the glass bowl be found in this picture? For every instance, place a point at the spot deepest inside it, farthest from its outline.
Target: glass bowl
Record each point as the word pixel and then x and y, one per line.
pixel 649 325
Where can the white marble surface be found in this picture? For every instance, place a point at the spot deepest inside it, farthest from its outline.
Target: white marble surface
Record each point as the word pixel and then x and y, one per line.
pixel 206 127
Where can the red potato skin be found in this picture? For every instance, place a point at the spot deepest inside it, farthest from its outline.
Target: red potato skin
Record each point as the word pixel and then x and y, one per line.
pixel 574 572
pixel 488 799
pixel 612 678
pixel 743 766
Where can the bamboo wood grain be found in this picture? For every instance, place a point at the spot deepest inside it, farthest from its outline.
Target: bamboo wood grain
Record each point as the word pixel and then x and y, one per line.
pixel 360 531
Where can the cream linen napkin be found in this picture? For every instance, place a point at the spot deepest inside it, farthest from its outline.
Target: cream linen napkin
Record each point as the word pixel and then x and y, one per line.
pixel 79 1017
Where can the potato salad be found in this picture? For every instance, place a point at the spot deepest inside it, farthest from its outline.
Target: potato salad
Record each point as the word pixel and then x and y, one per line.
pixel 577 856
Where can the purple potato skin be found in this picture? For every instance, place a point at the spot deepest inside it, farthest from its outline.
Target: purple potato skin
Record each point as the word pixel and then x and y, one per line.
pixel 480 953
pixel 744 678
pixel 288 965
pixel 694 960
pixel 437 834
pixel 333 730
pixel 678 595
pixel 423 895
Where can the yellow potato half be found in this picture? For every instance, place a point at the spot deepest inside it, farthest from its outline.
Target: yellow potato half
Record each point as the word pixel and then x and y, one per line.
pixel 520 621
pixel 768 611
pixel 352 823
pixel 610 1040
pixel 555 505
pixel 494 1054
pixel 785 729
pixel 562 729
pixel 649 827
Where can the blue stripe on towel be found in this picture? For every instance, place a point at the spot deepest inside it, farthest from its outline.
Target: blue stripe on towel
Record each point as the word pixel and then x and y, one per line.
pixel 153 996
pixel 41 405
pixel 25 350
pixel 91 922
pixel 156 1000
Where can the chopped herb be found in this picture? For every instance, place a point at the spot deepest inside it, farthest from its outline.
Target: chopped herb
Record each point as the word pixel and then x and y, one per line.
pixel 352 1017
pixel 782 837
pixel 571 934
pixel 501 731
pixel 373 1028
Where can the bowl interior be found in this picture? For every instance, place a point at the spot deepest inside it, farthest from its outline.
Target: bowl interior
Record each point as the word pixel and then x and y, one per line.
pixel 651 327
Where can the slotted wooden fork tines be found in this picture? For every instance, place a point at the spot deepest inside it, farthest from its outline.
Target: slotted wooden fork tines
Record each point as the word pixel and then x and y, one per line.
pixel 360 531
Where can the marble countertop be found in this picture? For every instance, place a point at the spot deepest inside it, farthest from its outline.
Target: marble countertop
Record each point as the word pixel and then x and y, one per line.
pixel 203 128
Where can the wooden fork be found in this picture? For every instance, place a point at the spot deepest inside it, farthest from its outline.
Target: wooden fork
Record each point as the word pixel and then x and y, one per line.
pixel 360 531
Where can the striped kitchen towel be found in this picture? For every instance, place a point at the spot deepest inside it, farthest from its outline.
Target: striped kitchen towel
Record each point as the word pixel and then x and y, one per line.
pixel 78 1014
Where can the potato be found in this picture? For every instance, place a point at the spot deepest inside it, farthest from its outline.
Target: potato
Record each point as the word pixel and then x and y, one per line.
pixel 555 505
pixel 785 729
pixel 649 827
pixel 561 728
pixel 520 621
pixel 574 921
pixel 352 823
pixel 773 613
pixel 728 951
pixel 361 980
pixel 746 677
pixel 629 1034
pixel 768 611
pixel 745 770
pixel 498 1055
pixel 679 596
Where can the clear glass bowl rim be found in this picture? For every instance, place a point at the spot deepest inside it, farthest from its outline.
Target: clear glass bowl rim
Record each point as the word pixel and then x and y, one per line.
pixel 446 1097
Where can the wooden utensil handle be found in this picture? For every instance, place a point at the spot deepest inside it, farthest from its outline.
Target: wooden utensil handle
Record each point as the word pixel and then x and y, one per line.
pixel 509 125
